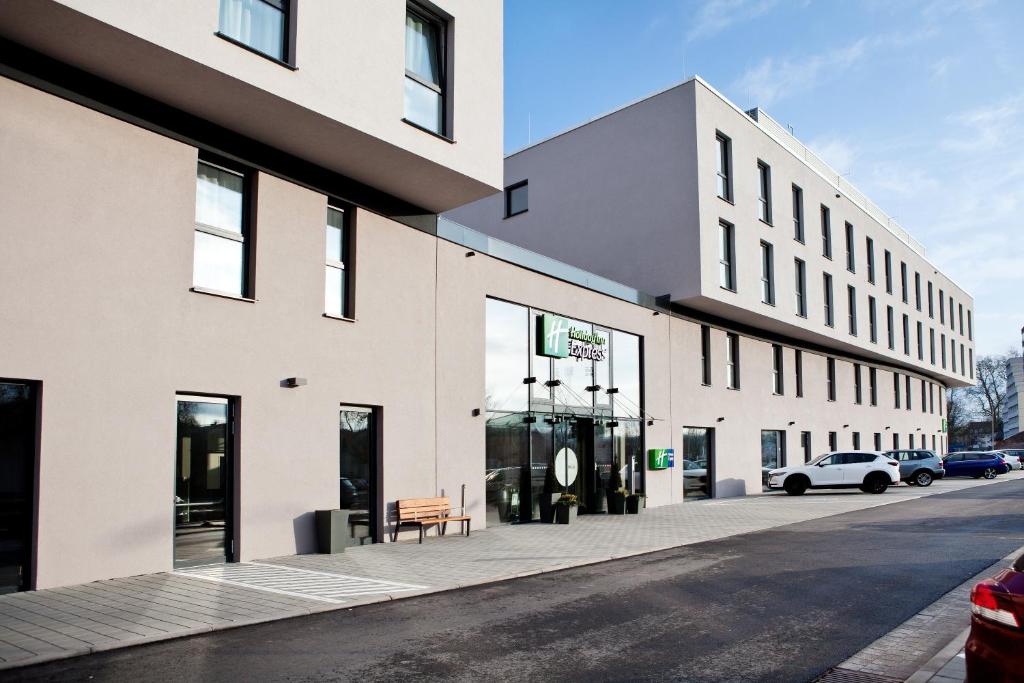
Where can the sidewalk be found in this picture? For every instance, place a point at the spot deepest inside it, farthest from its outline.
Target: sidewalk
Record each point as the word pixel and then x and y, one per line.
pixel 56 623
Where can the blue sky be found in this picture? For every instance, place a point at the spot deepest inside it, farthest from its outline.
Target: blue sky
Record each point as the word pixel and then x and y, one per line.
pixel 920 103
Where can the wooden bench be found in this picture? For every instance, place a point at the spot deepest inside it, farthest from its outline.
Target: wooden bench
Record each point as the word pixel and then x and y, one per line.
pixel 427 512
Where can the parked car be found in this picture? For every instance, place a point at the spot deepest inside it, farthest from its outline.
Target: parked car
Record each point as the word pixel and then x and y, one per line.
pixel 870 471
pixel 919 467
pixel 995 648
pixel 975 464
pixel 1014 457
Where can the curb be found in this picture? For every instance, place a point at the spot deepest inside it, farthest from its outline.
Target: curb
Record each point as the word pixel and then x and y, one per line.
pixel 935 664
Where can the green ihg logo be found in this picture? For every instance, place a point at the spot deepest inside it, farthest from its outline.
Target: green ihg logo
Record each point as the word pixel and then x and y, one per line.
pixel 554 336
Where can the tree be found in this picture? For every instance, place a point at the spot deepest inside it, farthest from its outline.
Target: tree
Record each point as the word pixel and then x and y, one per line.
pixel 989 394
pixel 958 413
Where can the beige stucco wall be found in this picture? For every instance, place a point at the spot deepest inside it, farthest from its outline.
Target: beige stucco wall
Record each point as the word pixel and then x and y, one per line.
pixel 342 106
pixel 97 234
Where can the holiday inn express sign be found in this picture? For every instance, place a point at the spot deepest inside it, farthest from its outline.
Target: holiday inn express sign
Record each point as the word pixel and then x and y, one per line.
pixel 556 338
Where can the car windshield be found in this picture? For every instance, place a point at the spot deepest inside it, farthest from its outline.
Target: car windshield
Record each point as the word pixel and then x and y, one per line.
pixel 819 459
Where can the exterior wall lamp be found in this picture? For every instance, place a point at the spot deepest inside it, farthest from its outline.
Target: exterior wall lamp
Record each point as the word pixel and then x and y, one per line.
pixel 293 382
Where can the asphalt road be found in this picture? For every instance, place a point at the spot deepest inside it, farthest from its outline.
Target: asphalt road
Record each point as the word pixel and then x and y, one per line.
pixel 778 605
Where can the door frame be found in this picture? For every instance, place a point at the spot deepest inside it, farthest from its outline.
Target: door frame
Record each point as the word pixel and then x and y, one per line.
pixel 711 474
pixel 32 559
pixel 378 507
pixel 232 492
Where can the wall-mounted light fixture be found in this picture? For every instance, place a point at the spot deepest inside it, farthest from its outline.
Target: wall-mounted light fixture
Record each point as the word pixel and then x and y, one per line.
pixel 721 419
pixel 293 382
pixel 553 383
pixel 657 313
pixel 611 390
pixel 476 412
pixel 845 426
pixel 470 253
pixel 650 423
pixel 887 429
pixel 594 387
pixel 529 380
pixel 791 423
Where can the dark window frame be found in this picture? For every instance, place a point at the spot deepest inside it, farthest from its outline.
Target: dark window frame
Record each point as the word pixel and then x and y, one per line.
pixel 800 276
pixel 723 150
pixel 348 258
pixel 730 263
pixel 289 8
pixel 851 248
pixel 830 379
pixel 508 197
pixel 778 368
pixel 705 349
pixel 826 232
pixel 828 296
pixel 764 189
pixel 767 273
pixel 798 214
pixel 445 25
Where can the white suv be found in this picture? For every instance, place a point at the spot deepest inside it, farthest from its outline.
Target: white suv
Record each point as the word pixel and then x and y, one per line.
pixel 870 471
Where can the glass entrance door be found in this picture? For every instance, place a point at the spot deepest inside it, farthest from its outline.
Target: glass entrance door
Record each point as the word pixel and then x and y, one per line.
pixel 202 501
pixel 773 451
pixel 17 483
pixel 698 463
pixel 357 485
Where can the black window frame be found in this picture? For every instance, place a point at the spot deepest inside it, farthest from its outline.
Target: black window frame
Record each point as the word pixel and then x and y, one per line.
pixel 732 341
pixel 917 290
pixel 289 9
pixel 851 304
pixel 444 23
pixel 904 283
pixel 872 319
pixel 826 232
pixel 767 273
pixel 348 258
pixel 800 285
pixel 723 149
pixel 764 190
pixel 873 386
pixel 828 297
pixel 705 352
pixel 830 379
pixel 851 248
pixel 890 324
pixel 508 197
pixel 778 363
pixel 869 246
pixel 798 364
pixel 858 389
pixel 798 214
pixel 730 263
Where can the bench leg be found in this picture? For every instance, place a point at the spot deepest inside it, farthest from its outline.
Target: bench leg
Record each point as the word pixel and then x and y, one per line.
pixel 421 533
pixel 444 528
pixel 467 528
pixel 394 532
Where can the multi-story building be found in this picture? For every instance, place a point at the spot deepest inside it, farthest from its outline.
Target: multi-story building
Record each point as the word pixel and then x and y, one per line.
pixel 735 225
pixel 228 300
pixel 1014 394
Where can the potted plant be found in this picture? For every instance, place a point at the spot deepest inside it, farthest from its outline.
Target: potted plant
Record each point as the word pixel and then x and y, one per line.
pixel 634 502
pixel 565 508
pixel 549 495
pixel 616 492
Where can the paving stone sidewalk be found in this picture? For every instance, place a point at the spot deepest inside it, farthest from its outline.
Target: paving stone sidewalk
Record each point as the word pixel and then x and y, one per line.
pixel 50 624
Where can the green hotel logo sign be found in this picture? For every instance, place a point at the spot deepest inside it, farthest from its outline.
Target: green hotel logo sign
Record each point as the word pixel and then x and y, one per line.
pixel 661 458
pixel 556 338
pixel 945 426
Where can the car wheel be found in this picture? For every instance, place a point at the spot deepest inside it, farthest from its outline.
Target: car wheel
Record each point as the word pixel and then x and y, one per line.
pixel 989 473
pixel 795 486
pixel 875 483
pixel 922 478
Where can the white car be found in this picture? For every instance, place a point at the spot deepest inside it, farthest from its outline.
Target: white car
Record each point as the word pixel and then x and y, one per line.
pixel 1012 458
pixel 870 471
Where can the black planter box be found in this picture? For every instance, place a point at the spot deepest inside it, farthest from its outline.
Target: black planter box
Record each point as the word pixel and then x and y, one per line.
pixel 633 504
pixel 564 513
pixel 616 503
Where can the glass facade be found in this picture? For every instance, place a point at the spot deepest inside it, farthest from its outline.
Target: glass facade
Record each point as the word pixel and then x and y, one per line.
pixel 698 462
pixel 358 464
pixel 571 422
pixel 772 453
pixel 17 483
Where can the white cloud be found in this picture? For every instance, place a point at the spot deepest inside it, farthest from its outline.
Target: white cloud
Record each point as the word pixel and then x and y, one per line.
pixel 985 128
pixel 773 79
pixel 714 16
pixel 940 68
pixel 834 151
pixel 902 180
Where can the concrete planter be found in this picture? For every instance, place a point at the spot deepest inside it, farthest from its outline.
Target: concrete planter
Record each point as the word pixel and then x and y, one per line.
pixel 564 514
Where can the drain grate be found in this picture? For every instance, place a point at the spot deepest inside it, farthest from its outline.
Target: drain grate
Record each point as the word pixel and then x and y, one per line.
pixel 302 583
pixel 839 675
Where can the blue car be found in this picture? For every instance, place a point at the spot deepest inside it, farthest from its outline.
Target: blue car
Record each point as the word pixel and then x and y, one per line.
pixel 975 464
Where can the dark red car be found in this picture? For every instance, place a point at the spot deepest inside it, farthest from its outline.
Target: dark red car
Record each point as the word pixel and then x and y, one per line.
pixel 995 648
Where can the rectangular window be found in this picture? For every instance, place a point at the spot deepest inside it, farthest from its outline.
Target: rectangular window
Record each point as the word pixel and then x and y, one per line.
pixel 851 256
pixel 856 441
pixel 798 363
pixel 907 387
pixel 931 398
pixel 924 396
pixel 778 382
pixel 917 290
pixel 798 214
pixel 726 250
pixel 906 334
pixel 337 267
pixel 895 440
pixel 800 272
pixel 767 274
pixel 873 385
pixel 952 353
pixel 851 307
pixel 724 155
pixel 857 391
pixel 888 272
pixel 732 361
pixel 764 198
pixel 970 325
pixel 826 232
pixel 830 378
pixel 896 390
pixel 911 440
pixel 963 365
pixel 931 344
pixel 942 350
pixel 920 341
pixel 705 355
pixel 517 198
pixel 960 316
pixel 970 356
pixel 805 442
pixel 931 301
pixel 261 25
pixel 222 233
pixel 426 70
pixel 878 441
pixel 952 315
pixel 942 307
pixel 890 325
pixel 827 291
pixel 872 320
pixel 833 444
pixel 869 245
pixel 903 283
